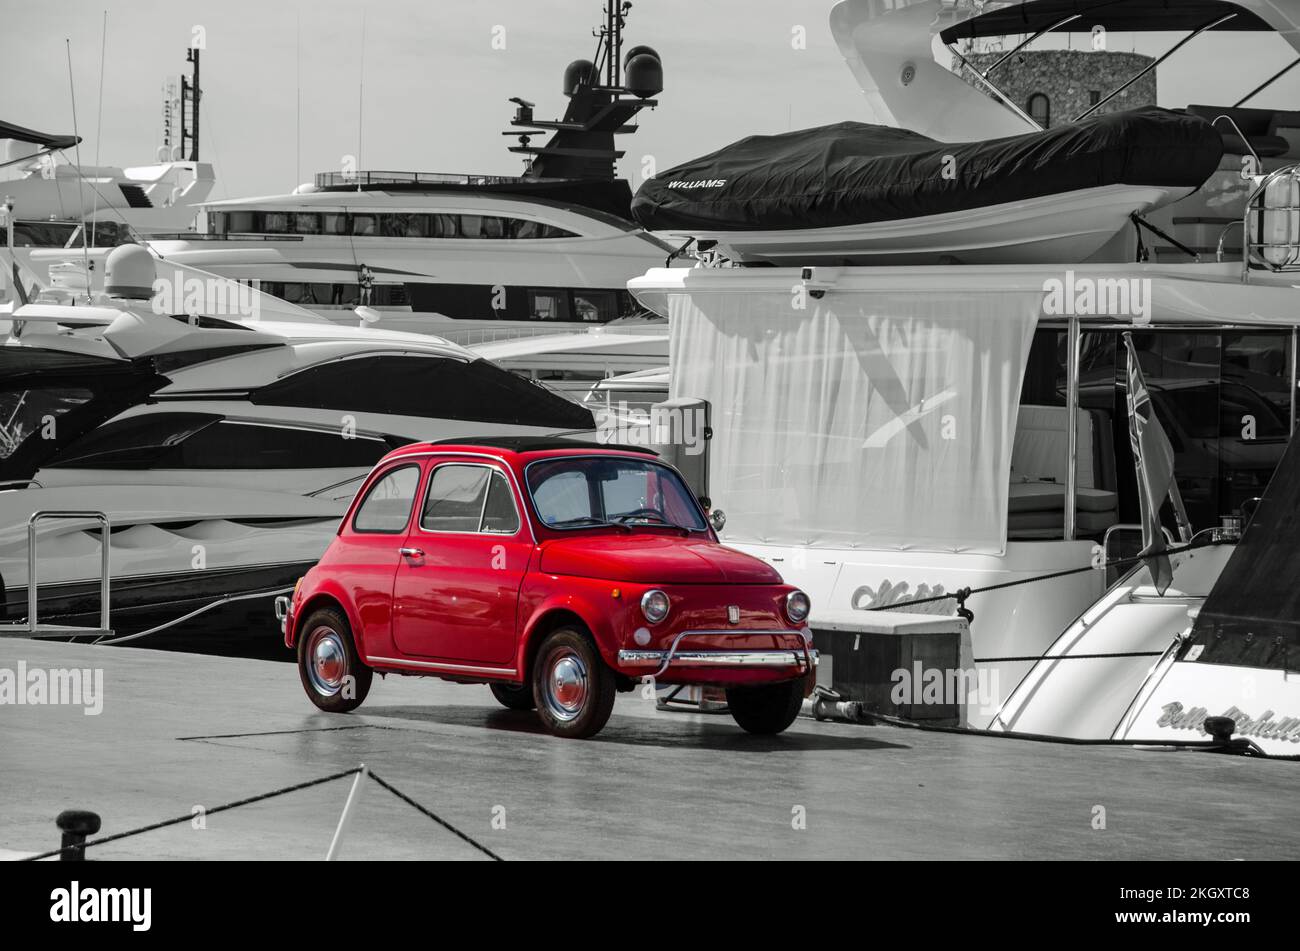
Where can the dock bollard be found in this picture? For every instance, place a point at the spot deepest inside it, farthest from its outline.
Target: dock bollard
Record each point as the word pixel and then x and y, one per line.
pixel 76 825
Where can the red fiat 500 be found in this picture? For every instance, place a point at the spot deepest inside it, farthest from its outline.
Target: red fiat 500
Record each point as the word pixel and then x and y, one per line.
pixel 557 572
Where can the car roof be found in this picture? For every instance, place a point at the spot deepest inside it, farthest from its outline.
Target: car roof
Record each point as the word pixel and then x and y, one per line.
pixel 523 444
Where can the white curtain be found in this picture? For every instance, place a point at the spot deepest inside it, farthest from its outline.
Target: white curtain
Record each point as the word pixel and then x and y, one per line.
pixel 867 419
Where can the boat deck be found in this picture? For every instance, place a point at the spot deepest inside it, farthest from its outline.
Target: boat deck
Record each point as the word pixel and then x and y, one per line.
pixel 179 730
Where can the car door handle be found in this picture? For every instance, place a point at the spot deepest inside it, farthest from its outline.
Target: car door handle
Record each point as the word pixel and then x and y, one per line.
pixel 411 552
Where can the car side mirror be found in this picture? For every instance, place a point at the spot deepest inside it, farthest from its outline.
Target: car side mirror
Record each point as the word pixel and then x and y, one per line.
pixel 717 518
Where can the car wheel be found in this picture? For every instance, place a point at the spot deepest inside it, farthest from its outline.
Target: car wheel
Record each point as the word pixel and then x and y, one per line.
pixel 767 709
pixel 572 687
pixel 514 696
pixel 332 674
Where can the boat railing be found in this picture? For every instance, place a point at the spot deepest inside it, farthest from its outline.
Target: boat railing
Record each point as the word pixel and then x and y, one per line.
pixel 361 179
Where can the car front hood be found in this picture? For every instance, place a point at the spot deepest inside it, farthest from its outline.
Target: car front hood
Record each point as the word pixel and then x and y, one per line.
pixel 651 558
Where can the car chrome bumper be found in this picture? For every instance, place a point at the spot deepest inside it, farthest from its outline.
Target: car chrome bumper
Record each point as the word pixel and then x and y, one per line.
pixel 804 658
pixel 763 658
pixel 282 612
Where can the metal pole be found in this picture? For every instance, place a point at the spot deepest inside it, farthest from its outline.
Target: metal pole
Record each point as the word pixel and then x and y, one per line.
pixel 988 83
pixel 1073 338
pixel 1172 50
pixel 1268 82
pixel 31 575
pixel 349 808
pixel 104 569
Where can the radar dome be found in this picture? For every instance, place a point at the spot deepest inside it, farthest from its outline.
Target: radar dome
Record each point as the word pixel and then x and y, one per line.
pixel 129 272
pixel 578 72
pixel 643 72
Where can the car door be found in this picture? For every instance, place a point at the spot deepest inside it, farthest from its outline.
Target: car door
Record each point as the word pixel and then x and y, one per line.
pixel 456 591
pixel 369 554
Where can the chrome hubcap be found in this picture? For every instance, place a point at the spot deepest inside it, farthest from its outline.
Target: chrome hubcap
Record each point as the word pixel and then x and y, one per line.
pixel 566 685
pixel 327 661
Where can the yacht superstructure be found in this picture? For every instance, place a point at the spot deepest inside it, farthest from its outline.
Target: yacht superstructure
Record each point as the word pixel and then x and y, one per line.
pixel 457 254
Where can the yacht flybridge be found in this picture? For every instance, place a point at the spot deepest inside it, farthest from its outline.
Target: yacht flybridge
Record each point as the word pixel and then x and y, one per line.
pixel 455 254
pixel 956 409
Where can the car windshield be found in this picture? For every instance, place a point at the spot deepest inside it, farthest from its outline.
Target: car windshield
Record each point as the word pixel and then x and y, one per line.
pixel 582 491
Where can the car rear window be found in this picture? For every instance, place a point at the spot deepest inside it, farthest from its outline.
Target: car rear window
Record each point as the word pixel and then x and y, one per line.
pixel 387 506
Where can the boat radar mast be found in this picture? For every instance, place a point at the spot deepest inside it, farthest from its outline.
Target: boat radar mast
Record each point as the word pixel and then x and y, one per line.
pixel 600 108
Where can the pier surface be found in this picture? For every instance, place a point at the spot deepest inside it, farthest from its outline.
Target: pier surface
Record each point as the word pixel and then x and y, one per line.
pixel 181 730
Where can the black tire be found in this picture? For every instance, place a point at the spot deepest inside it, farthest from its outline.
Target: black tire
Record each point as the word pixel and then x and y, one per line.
pixel 767 709
pixel 580 707
pixel 327 656
pixel 514 696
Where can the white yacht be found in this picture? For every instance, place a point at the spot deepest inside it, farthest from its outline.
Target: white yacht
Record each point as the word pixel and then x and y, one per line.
pixel 939 447
pixel 458 255
pixel 52 194
pixel 222 442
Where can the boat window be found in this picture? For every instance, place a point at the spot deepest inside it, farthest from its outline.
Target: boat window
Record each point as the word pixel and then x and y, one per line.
pixel 306 223
pixel 335 223
pixel 138 442
pixel 426 387
pixel 403 226
pixel 454 502
pixel 205 441
pixel 444 226
pixel 551 304
pixel 363 224
pixel 387 506
pixel 1223 398
pixel 217 222
pixel 27 412
pixel 243 222
pixel 596 306
pixel 1040 109
pixel 277 222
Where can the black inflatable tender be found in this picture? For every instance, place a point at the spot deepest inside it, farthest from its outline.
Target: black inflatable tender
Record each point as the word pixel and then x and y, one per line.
pixel 853 173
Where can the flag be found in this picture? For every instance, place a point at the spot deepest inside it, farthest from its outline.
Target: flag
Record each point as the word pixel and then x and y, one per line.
pixel 1153 457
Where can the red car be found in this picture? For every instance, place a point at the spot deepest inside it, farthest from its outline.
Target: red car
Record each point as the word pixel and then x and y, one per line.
pixel 560 573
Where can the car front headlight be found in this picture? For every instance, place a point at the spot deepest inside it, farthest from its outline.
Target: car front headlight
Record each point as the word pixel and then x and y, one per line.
pixel 797 607
pixel 654 605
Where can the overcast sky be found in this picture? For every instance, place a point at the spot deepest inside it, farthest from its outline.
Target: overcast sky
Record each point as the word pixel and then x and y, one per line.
pixel 435 88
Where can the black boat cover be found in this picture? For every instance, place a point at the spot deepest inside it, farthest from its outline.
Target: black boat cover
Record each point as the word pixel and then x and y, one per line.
pixel 853 173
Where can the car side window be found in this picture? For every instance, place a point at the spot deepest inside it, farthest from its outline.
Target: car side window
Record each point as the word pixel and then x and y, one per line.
pixel 387 506
pixel 499 514
pixel 469 498
pixel 454 502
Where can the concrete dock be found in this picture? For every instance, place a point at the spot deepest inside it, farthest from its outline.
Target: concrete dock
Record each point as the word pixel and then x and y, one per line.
pixel 182 730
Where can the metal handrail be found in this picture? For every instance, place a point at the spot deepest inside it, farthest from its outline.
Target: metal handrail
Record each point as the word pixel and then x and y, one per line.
pixel 32 601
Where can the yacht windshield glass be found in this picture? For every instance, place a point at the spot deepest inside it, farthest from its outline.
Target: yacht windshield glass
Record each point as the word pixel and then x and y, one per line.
pixel 582 491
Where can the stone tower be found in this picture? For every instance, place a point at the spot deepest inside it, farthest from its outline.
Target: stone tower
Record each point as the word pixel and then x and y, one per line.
pixel 1055 86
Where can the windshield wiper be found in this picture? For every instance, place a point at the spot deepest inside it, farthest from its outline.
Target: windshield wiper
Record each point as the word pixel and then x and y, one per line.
pixel 627 520
pixel 588 520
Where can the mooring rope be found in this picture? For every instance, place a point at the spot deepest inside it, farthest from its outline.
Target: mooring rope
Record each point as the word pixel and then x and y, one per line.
pixel 284 790
pixel 962 594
